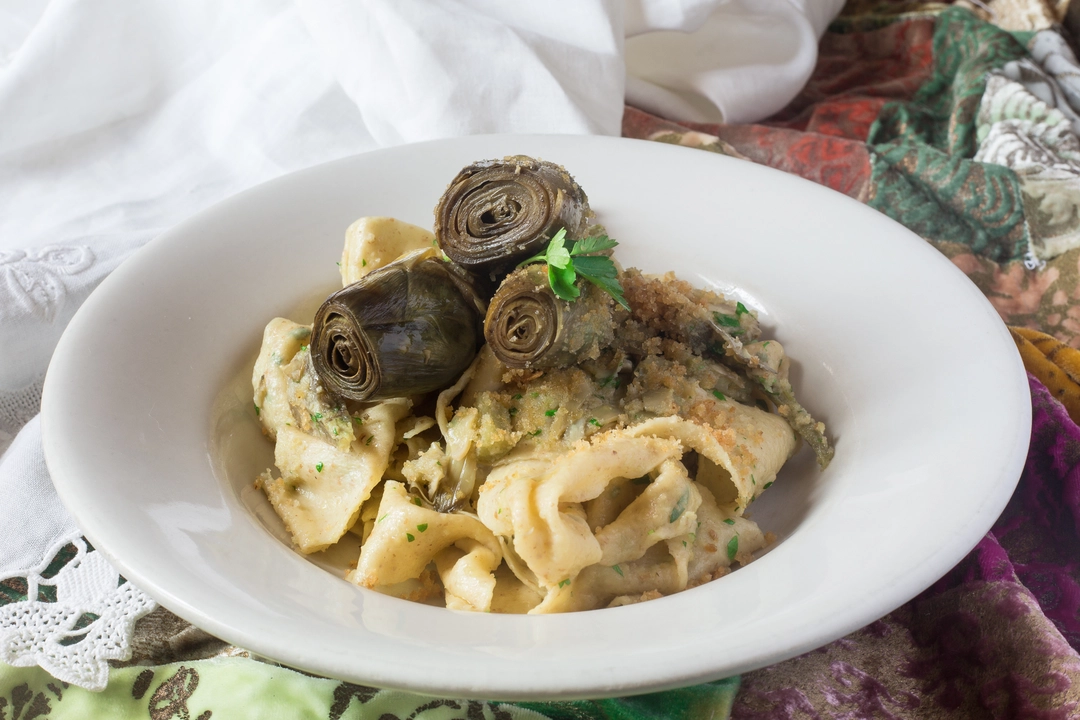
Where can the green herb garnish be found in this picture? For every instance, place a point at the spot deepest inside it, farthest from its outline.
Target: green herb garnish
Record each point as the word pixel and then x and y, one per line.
pixel 410 537
pixel 318 467
pixel 680 506
pixel 732 547
pixel 316 417
pixel 730 321
pixel 729 521
pixel 740 309
pixel 767 486
pixel 257 410
pixel 416 501
pixel 594 421
pixel 718 395
pixel 564 266
pixel 565 582
pixel 422 527
pixel 617 569
pixel 551 412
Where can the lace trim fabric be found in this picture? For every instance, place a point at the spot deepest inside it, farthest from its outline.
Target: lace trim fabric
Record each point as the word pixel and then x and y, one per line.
pixel 70 615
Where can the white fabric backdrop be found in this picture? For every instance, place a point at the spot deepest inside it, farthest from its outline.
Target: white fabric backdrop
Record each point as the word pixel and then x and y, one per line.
pixel 119 119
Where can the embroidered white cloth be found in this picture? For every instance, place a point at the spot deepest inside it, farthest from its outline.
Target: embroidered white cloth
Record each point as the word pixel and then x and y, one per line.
pixel 120 119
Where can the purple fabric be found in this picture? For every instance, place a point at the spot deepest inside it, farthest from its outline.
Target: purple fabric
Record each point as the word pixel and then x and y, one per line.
pixel 997 637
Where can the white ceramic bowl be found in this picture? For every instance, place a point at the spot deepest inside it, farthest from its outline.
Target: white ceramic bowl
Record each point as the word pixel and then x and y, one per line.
pixel 152 443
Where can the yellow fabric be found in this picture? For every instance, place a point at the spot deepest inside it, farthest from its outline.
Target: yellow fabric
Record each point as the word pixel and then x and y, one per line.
pixel 1055 364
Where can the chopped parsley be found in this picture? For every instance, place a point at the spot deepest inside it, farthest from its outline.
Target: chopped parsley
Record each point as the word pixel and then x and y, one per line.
pixel 727 320
pixel 358 420
pixel 369 439
pixel 729 521
pixel 680 506
pixel 740 309
pixel 718 395
pixel 258 411
pixel 617 569
pixel 410 537
pixel 517 396
pixel 536 432
pixel 594 421
pixel 551 412
pixel 732 547
pixel 564 583
pixel 363 262
pixel 422 527
pixel 318 467
pixel 316 417
pixel 303 348
pixel 767 486
pixel 416 501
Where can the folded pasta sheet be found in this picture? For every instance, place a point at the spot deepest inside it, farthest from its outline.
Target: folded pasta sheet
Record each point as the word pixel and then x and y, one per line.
pixel 407 537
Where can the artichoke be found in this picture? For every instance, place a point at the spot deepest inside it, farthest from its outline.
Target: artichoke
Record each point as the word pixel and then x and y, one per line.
pixel 498 212
pixel 408 328
pixel 527 326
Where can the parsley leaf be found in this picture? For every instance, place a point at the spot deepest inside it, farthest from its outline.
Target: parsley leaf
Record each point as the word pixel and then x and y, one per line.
pixel 564 266
pixel 732 547
pixel 680 506
pixel 593 244
pixel 730 321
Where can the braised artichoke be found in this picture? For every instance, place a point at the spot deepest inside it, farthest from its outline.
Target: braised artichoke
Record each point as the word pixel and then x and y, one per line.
pixel 408 328
pixel 528 326
pixel 498 212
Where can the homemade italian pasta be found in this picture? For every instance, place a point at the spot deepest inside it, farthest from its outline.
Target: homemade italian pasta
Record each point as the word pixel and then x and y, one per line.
pixel 615 467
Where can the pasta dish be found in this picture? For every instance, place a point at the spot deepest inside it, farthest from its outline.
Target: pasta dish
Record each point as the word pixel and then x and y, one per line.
pixel 510 421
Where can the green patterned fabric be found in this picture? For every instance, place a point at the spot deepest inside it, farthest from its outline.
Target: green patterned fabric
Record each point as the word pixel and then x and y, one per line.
pixel 942 112
pixel 945 198
pixel 243 689
pixel 921 148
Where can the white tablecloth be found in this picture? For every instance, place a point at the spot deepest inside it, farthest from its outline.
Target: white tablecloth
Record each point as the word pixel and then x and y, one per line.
pixel 119 119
